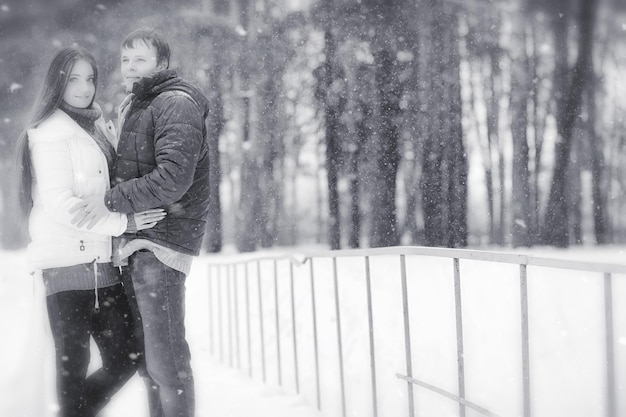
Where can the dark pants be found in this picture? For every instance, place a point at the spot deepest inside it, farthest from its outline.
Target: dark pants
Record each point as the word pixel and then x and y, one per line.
pixel 157 299
pixel 72 322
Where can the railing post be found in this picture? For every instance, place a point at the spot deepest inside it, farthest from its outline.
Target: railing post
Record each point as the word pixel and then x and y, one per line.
pixel 293 328
pixel 315 347
pixel 236 294
pixel 370 321
pixel 220 318
pixel 277 320
pixel 459 334
pixel 339 339
pixel 407 335
pixel 611 409
pixel 210 315
pixel 525 341
pixel 229 316
pixel 247 278
pixel 261 330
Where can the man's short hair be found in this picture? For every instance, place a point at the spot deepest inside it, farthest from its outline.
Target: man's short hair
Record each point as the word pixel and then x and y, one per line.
pixel 149 36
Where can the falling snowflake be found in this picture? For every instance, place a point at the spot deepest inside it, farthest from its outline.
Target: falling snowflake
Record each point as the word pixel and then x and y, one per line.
pixel 14 87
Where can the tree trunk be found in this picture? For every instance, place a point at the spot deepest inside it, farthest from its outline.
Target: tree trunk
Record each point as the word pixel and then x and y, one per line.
pixel 354 234
pixel 333 148
pixel 557 218
pixel 247 233
pixel 384 228
pixel 412 185
pixel 362 135
pixel 417 124
pixel 574 195
pixel 444 178
pixel 494 81
pixel 215 125
pixel 520 85
pixel 538 122
pixel 598 187
pixel 269 139
pixel 457 197
pixel 319 212
pixel 484 143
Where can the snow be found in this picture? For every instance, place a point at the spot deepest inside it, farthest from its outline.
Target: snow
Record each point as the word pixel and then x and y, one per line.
pixel 27 364
pixel 566 325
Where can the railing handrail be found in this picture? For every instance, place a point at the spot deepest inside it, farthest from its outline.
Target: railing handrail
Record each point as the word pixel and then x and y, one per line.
pixel 300 257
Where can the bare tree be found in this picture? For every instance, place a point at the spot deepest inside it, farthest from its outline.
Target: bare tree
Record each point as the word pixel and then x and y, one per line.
pixel 520 84
pixel 215 126
pixel 494 89
pixel 416 131
pixel 485 55
pixel 330 80
pixel 444 178
pixel 598 170
pixel 556 221
pixel 247 233
pixel 362 118
pixel 384 228
pixel 540 101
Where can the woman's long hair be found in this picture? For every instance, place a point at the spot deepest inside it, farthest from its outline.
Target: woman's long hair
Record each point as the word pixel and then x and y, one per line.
pixel 49 99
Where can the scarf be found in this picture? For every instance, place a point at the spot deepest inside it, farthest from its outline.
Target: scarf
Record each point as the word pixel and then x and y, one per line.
pixel 86 118
pixel 123 111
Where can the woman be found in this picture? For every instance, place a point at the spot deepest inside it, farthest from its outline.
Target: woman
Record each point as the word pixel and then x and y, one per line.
pixel 66 153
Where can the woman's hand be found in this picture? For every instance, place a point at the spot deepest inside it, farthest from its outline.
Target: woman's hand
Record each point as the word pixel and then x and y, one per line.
pixel 89 211
pixel 148 219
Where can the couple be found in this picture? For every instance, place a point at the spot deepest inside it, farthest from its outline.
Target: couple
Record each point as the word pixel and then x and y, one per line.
pixel 147 186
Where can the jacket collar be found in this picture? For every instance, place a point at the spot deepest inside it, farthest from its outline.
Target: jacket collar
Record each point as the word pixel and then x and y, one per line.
pixel 155 83
pixel 58 125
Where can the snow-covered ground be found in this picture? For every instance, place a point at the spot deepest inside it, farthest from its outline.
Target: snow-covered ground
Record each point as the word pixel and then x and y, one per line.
pixel 566 314
pixel 27 367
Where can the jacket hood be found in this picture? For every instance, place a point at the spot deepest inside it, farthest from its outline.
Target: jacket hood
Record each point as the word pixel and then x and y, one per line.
pixel 168 80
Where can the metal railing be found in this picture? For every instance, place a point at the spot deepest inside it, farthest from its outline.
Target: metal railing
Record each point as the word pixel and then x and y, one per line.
pixel 226 328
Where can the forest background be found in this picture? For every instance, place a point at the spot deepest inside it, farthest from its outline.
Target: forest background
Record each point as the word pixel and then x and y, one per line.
pixel 354 123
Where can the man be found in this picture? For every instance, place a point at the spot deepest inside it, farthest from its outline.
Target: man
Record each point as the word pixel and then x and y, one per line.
pixel 162 162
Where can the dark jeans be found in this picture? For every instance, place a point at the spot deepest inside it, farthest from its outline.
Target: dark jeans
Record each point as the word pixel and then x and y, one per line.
pixel 72 322
pixel 157 298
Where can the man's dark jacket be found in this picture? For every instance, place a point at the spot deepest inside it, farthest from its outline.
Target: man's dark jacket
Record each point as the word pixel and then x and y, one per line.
pixel 162 161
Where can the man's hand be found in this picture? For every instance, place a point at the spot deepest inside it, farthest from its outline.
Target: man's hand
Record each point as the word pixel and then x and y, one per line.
pixel 89 211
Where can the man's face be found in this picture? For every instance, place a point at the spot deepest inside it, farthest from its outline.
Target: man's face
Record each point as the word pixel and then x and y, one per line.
pixel 137 62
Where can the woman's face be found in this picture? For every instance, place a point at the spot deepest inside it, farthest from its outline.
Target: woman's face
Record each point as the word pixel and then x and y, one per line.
pixel 80 87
